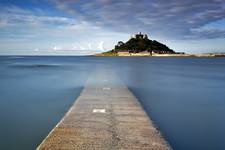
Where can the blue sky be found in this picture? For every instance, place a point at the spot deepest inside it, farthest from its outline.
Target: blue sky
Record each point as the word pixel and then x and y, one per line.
pixel 56 27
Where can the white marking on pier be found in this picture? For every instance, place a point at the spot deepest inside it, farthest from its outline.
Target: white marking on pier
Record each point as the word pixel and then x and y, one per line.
pixel 98 111
pixel 106 88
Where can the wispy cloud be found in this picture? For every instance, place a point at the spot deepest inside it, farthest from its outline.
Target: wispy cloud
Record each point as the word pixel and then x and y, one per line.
pixel 33 27
pixel 101 46
pixel 168 18
pixel 15 16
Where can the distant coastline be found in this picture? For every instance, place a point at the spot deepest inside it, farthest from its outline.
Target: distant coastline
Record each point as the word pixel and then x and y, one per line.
pixel 147 54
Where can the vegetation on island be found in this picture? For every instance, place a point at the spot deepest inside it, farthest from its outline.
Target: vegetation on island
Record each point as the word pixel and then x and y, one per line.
pixel 109 53
pixel 139 43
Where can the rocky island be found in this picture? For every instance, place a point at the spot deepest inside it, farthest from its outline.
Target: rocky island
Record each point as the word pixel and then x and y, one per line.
pixel 140 45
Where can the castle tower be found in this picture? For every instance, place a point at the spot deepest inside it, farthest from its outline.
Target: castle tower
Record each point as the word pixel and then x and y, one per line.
pixel 145 36
pixel 139 36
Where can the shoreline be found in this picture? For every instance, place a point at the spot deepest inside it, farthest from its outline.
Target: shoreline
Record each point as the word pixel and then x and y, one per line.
pixel 161 55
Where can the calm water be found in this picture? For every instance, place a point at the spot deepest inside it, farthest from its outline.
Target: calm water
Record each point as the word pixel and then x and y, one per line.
pixel 185 97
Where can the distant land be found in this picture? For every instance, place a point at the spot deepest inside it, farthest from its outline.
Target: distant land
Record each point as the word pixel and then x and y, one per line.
pixel 140 45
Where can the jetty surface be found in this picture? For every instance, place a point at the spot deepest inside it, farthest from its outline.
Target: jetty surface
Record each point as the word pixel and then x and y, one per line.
pixel 105 116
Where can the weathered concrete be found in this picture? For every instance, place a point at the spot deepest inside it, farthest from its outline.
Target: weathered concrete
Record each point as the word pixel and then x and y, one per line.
pixel 106 115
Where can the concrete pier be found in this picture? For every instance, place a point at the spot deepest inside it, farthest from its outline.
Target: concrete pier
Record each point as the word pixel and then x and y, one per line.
pixel 106 115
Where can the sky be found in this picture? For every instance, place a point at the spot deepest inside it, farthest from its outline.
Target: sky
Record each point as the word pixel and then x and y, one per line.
pixel 80 27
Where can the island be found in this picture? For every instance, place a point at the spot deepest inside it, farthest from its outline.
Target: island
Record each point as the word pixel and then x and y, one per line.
pixel 140 45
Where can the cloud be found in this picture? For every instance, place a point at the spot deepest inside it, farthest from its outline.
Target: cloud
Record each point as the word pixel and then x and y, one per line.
pixel 207 33
pixel 165 18
pixel 83 23
pixel 3 23
pixel 14 16
pixel 101 46
pixel 17 24
pixel 57 48
pixel 89 46
pixel 36 49
pixel 82 48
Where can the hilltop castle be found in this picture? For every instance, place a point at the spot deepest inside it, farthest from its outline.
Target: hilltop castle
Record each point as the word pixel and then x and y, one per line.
pixel 141 43
pixel 140 36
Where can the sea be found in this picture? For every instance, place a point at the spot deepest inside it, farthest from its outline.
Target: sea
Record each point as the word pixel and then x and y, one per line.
pixel 184 96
